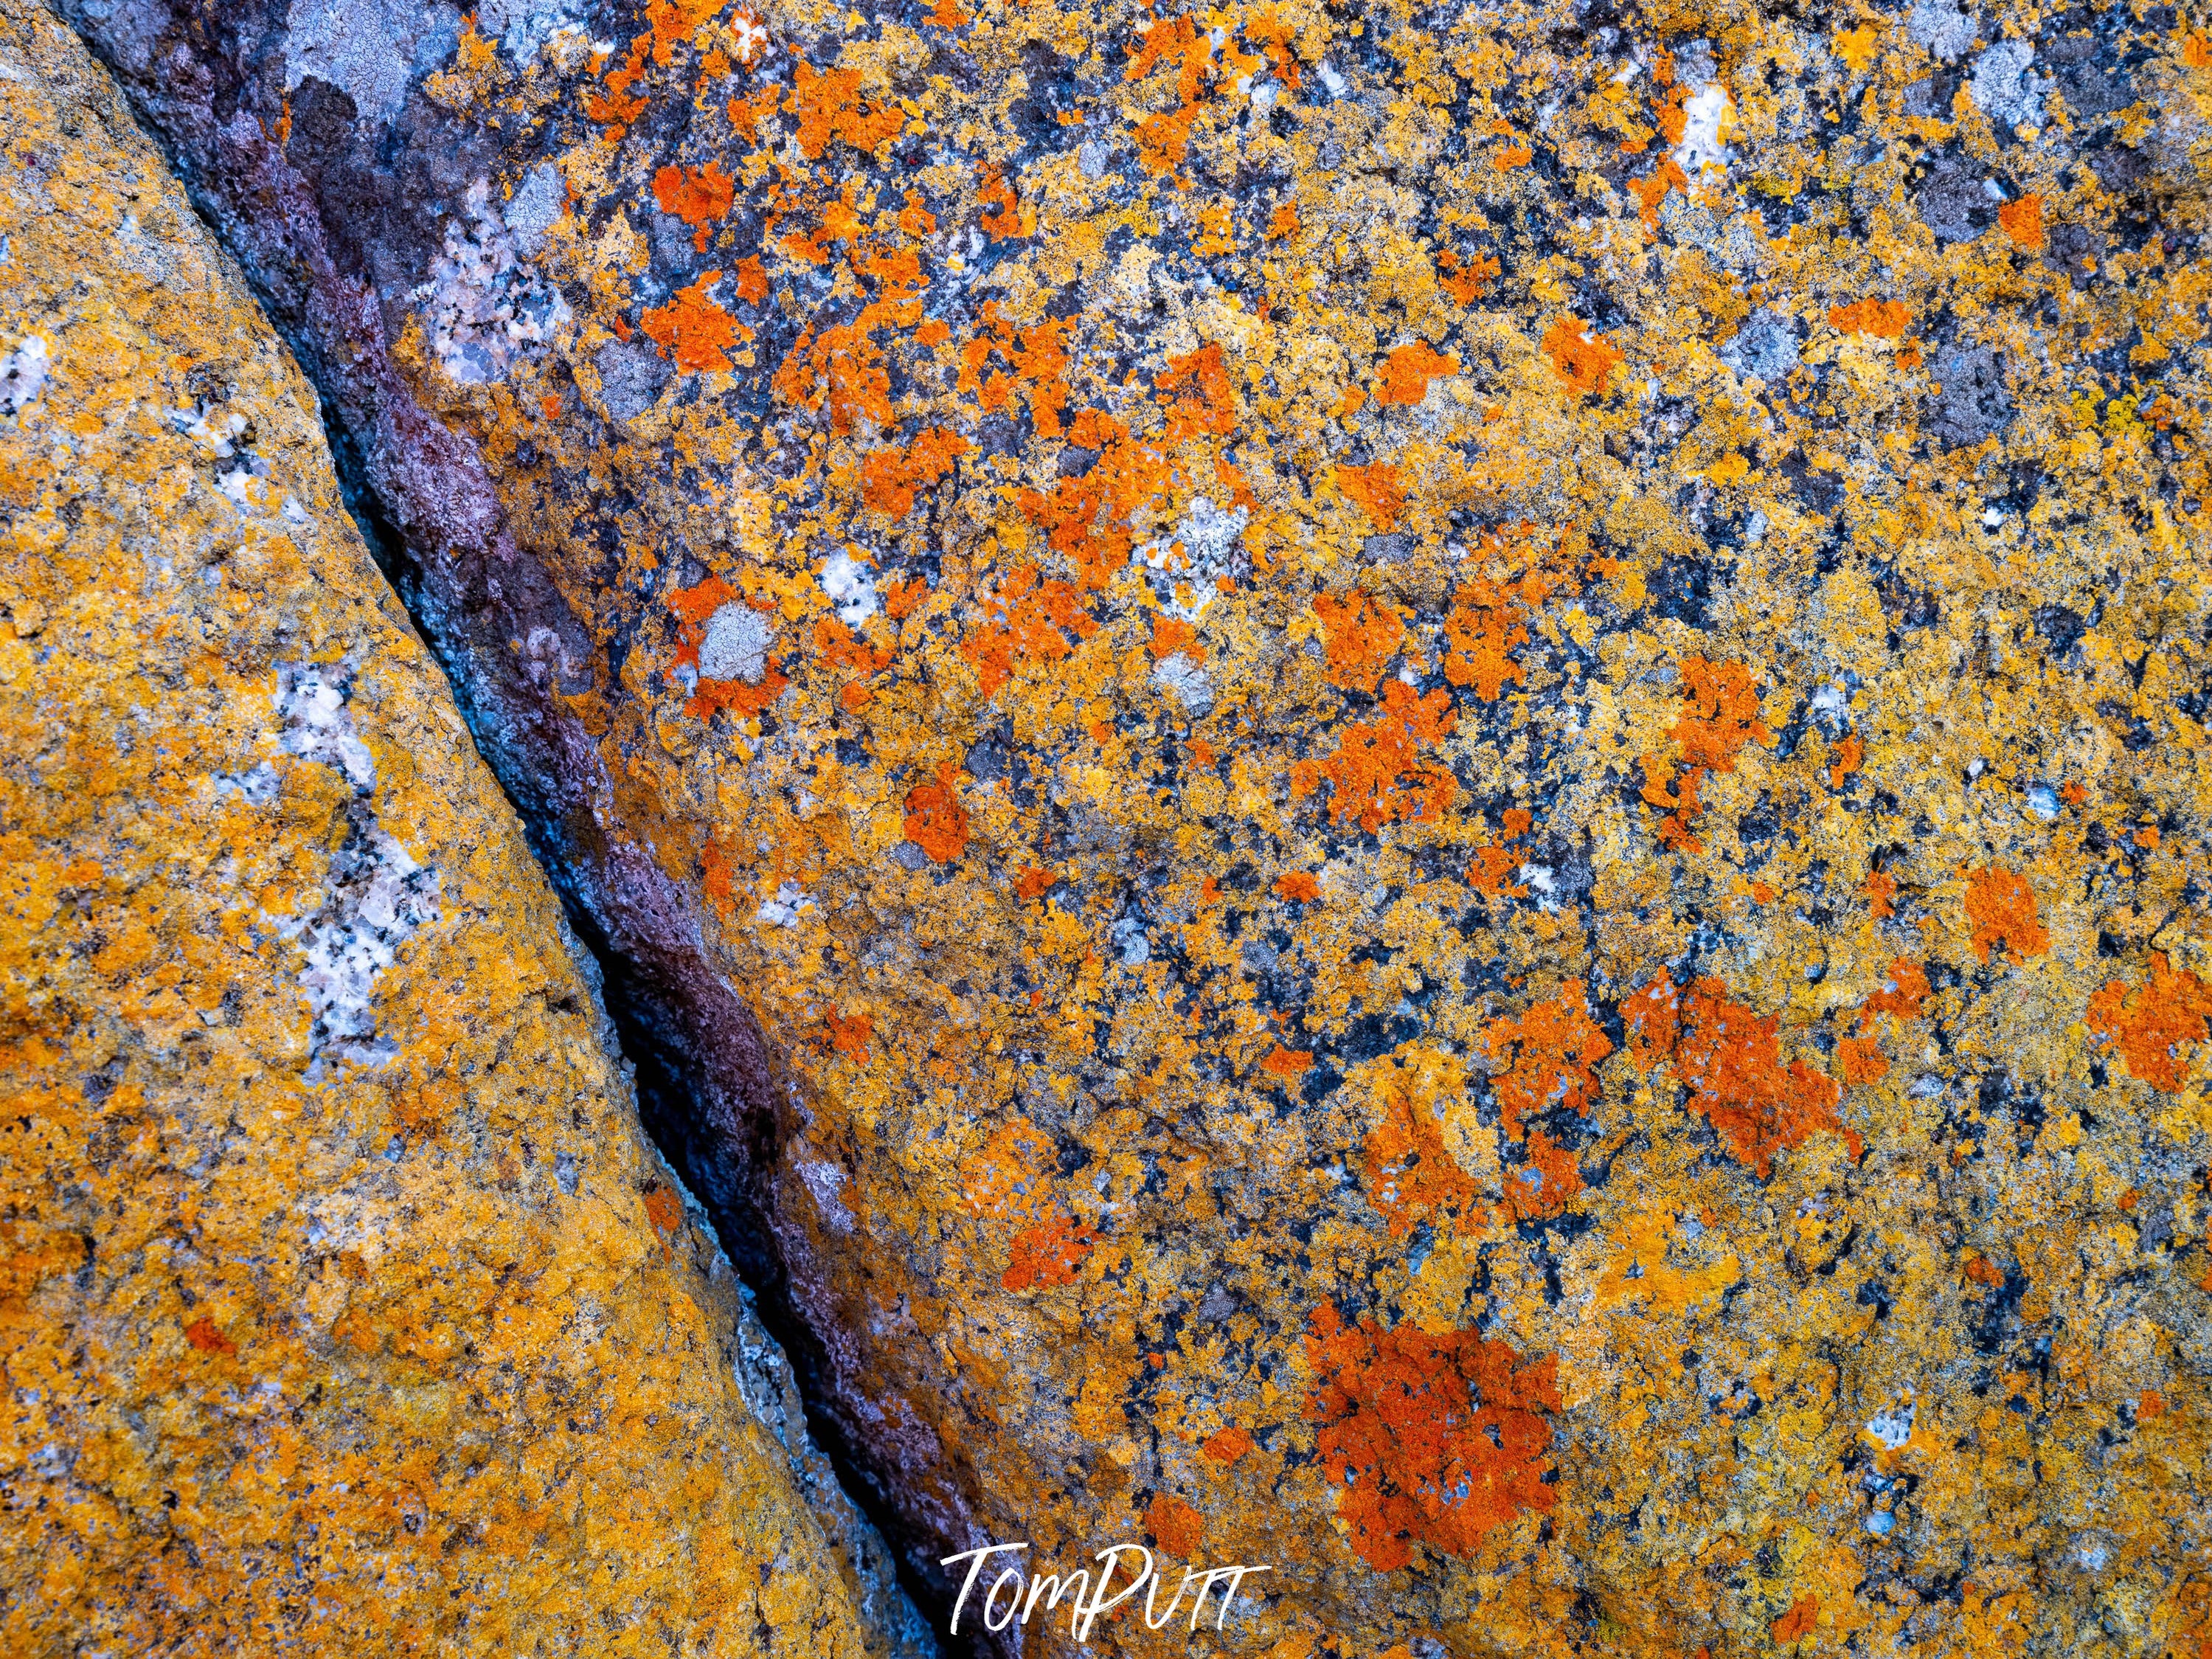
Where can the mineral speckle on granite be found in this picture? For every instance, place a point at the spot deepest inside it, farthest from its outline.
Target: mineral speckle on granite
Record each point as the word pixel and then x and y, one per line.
pixel 1418 793
pixel 344 1307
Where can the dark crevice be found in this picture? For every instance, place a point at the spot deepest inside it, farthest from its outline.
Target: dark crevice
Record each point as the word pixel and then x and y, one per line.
pixel 728 1172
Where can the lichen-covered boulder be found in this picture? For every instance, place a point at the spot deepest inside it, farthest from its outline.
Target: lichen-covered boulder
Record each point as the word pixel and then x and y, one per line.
pixel 1417 793
pixel 344 1306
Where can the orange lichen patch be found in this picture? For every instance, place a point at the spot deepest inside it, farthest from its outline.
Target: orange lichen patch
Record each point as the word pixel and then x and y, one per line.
pixel 1549 1055
pixel 1025 624
pixel 1879 889
pixel 1884 319
pixel 903 597
pixel 1651 191
pixel 1799 1622
pixel 1676 795
pixel 851 1036
pixel 1034 882
pixel 699 198
pixel 674 21
pixel 1482 629
pixel 665 1210
pixel 1164 138
pixel 1411 1177
pixel 936 821
pixel 1512 157
pixel 1172 636
pixel 1584 361
pixel 612 105
pixel 1466 277
pixel 1004 216
pixel 1376 775
pixel 1375 488
pixel 890 477
pixel 1283 222
pixel 1048 1253
pixel 694 331
pixel 1860 1058
pixel 1546 1182
pixel 2001 907
pixel 1902 992
pixel 838 646
pixel 1730 1060
pixel 1723 716
pixel 202 1334
pixel 1850 754
pixel 1037 356
pixel 1437 1439
pixel 840 371
pixel 1227 1445
pixel 746 114
pixel 1070 516
pixel 1297 885
pixel 2152 1022
pixel 1407 371
pixel 948 16
pixel 1983 1271
pixel 1176 1526
pixel 1360 635
pixel 1287 1063
pixel 830 110
pixel 1492 871
pixel 2022 219
pixel 1206 405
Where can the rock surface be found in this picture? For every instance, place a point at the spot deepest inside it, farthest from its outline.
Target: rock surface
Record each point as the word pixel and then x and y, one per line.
pixel 1421 795
pixel 344 1306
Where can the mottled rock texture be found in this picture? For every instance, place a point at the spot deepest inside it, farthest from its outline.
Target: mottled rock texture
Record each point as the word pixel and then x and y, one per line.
pixel 344 1308
pixel 1416 792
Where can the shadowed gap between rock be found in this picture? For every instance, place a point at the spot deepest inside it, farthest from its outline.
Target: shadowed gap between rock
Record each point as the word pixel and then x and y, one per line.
pixel 646 1036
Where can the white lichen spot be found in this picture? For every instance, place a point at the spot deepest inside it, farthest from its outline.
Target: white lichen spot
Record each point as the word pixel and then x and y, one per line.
pixel 486 310
pixel 1188 567
pixel 1892 1426
pixel 24 374
pixel 825 1181
pixel 784 910
pixel 1129 939
pixel 1941 27
pixel 374 895
pixel 1336 83
pixel 1186 682
pixel 2005 87
pixel 524 26
pixel 736 645
pixel 370 50
pixel 1708 118
pixel 850 588
pixel 535 208
pixel 311 701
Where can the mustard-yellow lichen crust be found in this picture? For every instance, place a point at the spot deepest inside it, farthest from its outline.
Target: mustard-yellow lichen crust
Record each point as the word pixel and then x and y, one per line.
pixel 1458 753
pixel 344 1308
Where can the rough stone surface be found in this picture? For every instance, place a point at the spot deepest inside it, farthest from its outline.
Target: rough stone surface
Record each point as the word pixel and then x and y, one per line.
pixel 1616 1061
pixel 344 1306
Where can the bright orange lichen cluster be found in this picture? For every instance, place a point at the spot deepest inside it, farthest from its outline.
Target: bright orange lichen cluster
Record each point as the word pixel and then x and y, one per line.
pixel 1730 1061
pixel 1436 1440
